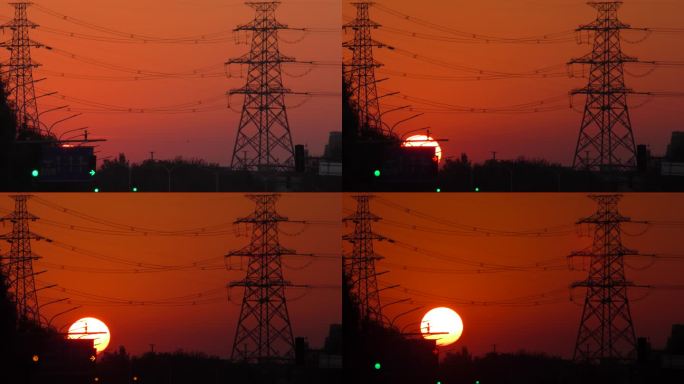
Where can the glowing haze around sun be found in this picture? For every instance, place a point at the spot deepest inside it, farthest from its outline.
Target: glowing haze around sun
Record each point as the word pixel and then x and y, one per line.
pixel 442 324
pixel 91 328
pixel 423 141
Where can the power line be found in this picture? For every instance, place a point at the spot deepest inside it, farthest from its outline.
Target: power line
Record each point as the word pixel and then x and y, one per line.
pixel 20 80
pixel 264 140
pixel 471 40
pixel 264 331
pixel 129 37
pixel 135 71
pixel 360 71
pixel 359 265
pixel 549 297
pixel 478 265
pixel 554 37
pixel 124 227
pixel 606 141
pixel 606 330
pixel 558 229
pixel 19 267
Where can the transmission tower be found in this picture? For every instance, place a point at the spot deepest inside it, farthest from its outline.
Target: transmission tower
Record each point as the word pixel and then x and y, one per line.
pixel 263 142
pixel 360 72
pixel 360 264
pixel 264 332
pixel 19 81
pixel 606 331
pixel 606 141
pixel 18 265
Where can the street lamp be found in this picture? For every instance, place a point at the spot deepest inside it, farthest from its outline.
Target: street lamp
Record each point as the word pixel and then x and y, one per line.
pixel 427 128
pixel 405 313
pixel 52 110
pixel 49 130
pixel 405 120
pixel 61 313
pixel 395 109
pixel 53 302
pixel 46 94
pixel 71 130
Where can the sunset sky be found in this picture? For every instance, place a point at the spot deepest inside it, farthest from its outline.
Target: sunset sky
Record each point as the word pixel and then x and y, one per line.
pixel 209 326
pixel 207 135
pixel 438 274
pixel 549 135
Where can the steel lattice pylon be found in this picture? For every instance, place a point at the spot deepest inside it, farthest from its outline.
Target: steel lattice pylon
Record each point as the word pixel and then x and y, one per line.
pixel 19 79
pixel 606 331
pixel 360 72
pixel 18 267
pixel 606 141
pixel 360 264
pixel 264 332
pixel 264 141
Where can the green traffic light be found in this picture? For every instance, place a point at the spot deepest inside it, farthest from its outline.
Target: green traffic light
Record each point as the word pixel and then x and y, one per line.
pixel 92 172
pixel 35 173
pixel 135 189
pixel 96 190
pixel 477 189
pixel 438 190
pixel 477 381
pixel 376 173
pixel 377 365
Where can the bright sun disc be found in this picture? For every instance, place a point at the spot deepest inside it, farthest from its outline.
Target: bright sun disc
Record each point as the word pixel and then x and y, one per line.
pixel 423 141
pixel 442 324
pixel 91 328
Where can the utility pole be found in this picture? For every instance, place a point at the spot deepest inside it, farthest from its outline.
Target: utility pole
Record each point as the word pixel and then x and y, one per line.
pixel 18 267
pixel 359 266
pixel 20 83
pixel 605 134
pixel 606 331
pixel 264 331
pixel 360 72
pixel 263 136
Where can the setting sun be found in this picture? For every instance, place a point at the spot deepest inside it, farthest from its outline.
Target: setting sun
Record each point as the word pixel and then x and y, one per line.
pixel 442 324
pixel 91 328
pixel 423 141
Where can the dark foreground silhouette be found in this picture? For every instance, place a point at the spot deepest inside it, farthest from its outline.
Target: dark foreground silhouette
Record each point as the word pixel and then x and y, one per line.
pixel 374 353
pixel 33 354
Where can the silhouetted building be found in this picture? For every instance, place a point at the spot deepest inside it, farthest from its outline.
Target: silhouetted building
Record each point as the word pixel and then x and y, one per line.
pixel 300 156
pixel 385 165
pixel 673 163
pixel 53 359
pixel 328 358
pixel 673 357
pixel 675 343
pixel 643 157
pixel 675 150
pixel 333 342
pixel 333 150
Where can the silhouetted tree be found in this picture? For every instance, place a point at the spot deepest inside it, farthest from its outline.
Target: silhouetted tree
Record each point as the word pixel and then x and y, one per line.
pixel 8 325
pixel 8 131
pixel 403 359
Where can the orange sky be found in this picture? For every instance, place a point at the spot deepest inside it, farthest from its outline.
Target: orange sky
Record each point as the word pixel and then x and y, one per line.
pixel 547 328
pixel 208 327
pixel 550 135
pixel 207 135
